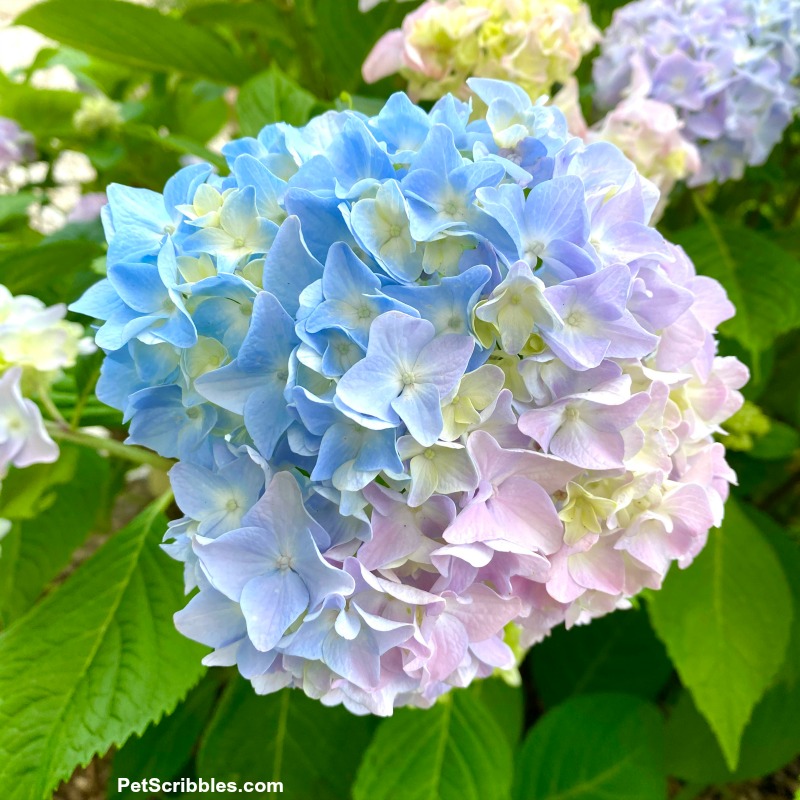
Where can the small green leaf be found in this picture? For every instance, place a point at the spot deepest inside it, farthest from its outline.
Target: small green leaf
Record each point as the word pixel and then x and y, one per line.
pixel 726 622
pixel 762 280
pixel 164 749
pixel 594 747
pixel 617 653
pixel 138 37
pixel 453 751
pixel 272 97
pixel 285 737
pixel 94 662
pixel 37 549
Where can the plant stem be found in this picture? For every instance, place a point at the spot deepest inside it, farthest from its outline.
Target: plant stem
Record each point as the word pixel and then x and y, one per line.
pixel 138 455
pixel 49 406
pixel 83 398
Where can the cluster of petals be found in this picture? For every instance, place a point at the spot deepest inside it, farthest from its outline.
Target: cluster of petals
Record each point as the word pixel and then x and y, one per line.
pixel 434 383
pixel 728 68
pixel 535 43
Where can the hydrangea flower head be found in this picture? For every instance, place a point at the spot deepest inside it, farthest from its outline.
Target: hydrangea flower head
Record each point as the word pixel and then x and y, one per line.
pixel 727 68
pixel 434 383
pixel 535 43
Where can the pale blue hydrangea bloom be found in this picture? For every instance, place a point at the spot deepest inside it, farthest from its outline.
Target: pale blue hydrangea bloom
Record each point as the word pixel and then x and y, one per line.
pixel 397 358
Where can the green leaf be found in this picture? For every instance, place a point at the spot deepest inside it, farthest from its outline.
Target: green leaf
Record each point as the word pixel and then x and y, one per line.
pixel 36 550
pixel 505 703
pixel 47 271
pixel 138 37
pixel 14 206
pixel 272 97
pixel 43 112
pixel 594 747
pixel 617 653
pixel 772 737
pixel 165 749
pixel 779 442
pixel 174 143
pixel 94 662
pixel 355 35
pixel 27 492
pixel 762 280
pixel 265 19
pixel 453 751
pixel 285 737
pixel 726 622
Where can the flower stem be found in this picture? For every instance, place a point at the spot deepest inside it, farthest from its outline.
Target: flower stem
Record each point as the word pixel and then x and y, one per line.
pixel 49 406
pixel 138 455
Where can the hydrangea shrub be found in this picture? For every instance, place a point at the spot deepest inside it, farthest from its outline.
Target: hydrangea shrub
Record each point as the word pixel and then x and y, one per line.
pixel 435 387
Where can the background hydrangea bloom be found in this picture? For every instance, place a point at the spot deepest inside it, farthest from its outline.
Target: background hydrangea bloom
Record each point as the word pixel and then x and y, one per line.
pixel 535 43
pixel 435 384
pixel 36 344
pixel 727 68
pixel 16 146
pixel 37 337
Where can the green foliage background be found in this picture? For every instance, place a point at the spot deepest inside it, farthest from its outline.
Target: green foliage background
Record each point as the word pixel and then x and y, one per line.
pixel 697 685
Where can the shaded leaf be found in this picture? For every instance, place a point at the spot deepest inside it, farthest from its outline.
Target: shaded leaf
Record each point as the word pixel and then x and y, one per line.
pixel 594 747
pixel 285 737
pixel 46 270
pixel 164 749
pixel 37 549
pixel 345 37
pixel 617 653
pixel 780 441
